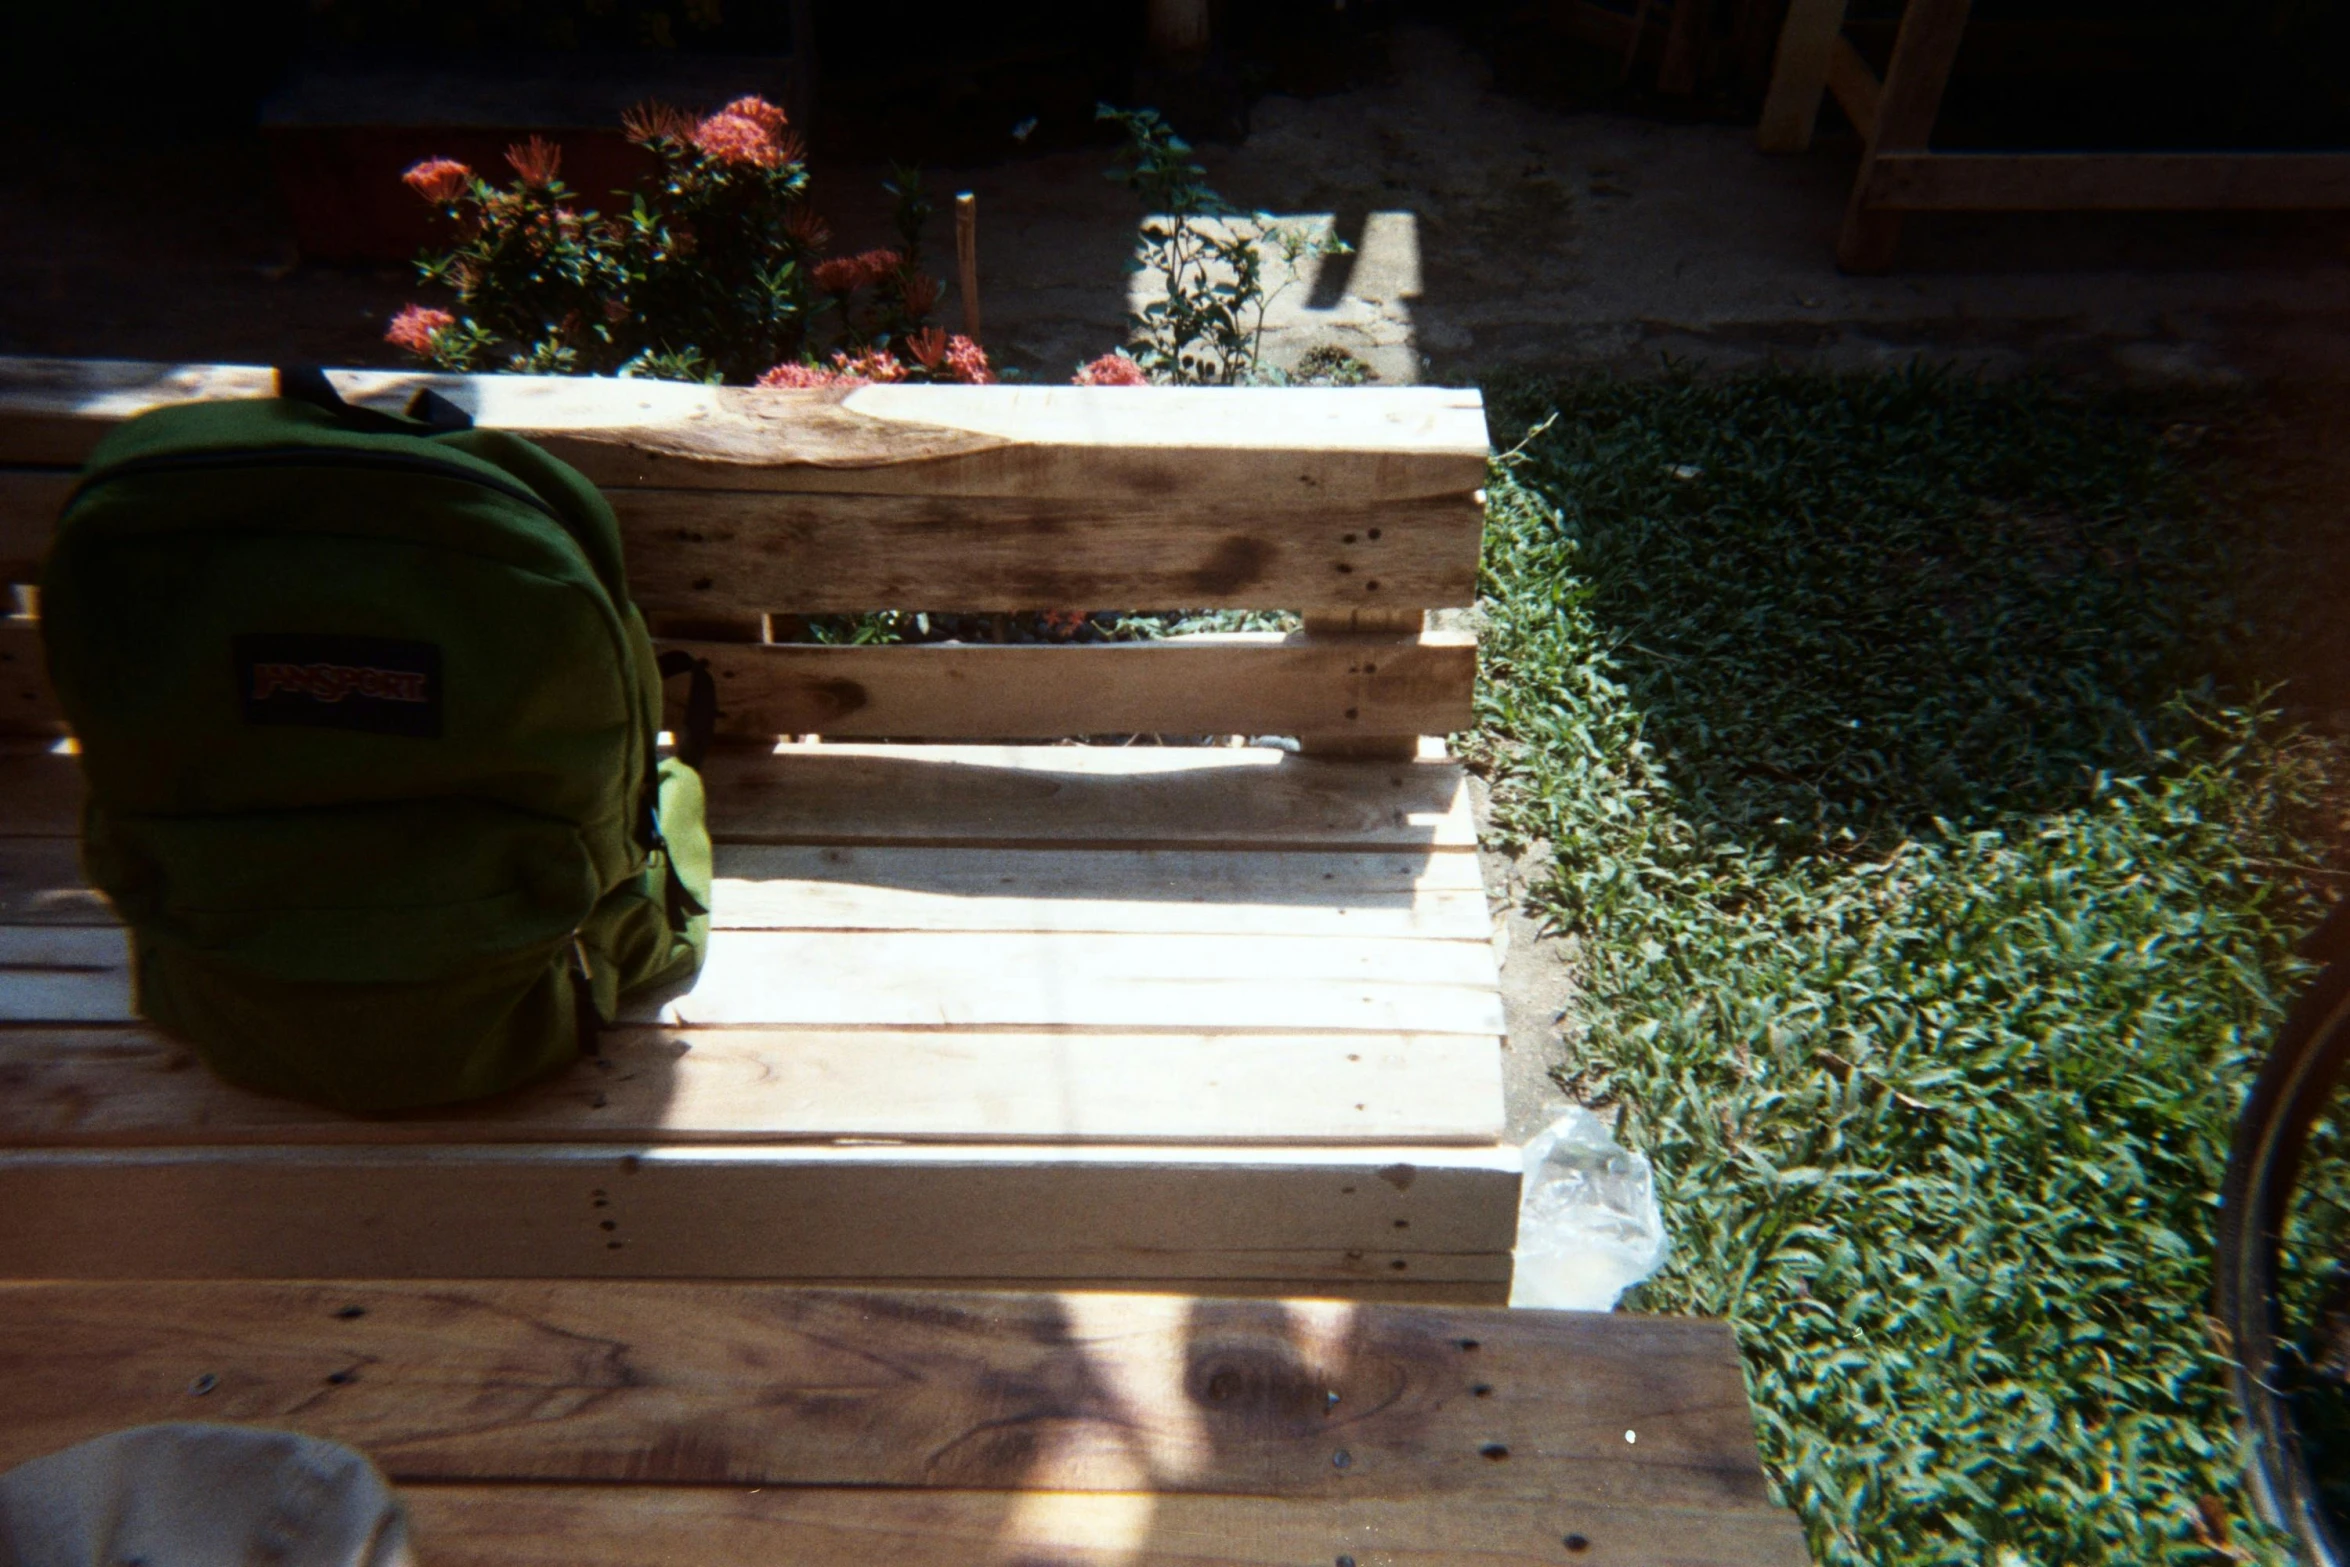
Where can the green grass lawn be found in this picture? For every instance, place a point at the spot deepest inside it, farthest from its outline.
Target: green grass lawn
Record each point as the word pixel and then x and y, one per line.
pixel 1933 883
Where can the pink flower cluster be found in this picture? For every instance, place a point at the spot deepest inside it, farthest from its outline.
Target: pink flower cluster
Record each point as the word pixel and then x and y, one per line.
pixel 748 133
pixel 863 369
pixel 1111 370
pixel 954 358
pixel 415 328
pixel 967 362
pixel 438 180
pixel 847 274
pixel 536 160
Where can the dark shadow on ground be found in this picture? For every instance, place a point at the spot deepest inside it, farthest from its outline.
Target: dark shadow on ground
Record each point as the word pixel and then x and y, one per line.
pixel 1847 609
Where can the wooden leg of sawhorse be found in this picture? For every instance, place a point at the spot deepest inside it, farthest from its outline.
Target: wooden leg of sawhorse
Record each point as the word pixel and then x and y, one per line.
pixel 1923 52
pixel 1799 74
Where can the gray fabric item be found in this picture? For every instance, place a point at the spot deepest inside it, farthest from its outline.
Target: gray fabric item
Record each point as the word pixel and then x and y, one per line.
pixel 194 1495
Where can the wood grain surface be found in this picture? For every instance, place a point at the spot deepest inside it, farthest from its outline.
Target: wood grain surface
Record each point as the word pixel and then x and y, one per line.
pixel 95 1087
pixel 1317 1216
pixel 802 887
pixel 703 1383
pixel 1262 446
pixel 704 552
pixel 609 1526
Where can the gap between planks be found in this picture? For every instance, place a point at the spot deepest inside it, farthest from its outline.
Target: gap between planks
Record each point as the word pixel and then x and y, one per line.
pixel 1252 684
pixel 1039 796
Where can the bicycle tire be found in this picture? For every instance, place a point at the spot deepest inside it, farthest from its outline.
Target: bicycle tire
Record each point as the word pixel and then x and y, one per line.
pixel 2295 1086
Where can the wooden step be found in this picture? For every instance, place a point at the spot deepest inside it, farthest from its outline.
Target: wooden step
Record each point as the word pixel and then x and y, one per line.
pixel 704 1423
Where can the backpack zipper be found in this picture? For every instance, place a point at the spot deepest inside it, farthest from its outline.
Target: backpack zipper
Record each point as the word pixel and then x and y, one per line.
pixel 309 457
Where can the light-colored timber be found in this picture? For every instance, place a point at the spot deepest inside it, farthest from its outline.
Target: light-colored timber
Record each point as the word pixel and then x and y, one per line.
pixel 1277 447
pixel 1799 74
pixel 96 1087
pixel 1149 891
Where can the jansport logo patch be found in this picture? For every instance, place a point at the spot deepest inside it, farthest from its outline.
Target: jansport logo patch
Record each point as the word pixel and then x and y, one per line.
pixel 320 680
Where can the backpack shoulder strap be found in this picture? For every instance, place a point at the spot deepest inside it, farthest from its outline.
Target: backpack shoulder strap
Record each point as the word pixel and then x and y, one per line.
pixel 428 409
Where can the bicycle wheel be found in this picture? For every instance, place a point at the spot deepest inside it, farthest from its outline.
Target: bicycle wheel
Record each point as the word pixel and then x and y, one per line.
pixel 2282 1290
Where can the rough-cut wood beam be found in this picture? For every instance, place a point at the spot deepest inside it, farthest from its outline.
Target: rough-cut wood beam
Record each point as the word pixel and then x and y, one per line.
pixel 703 553
pixel 1099 445
pixel 2138 181
pixel 712 1384
pixel 1923 53
pixel 605 1526
pixel 1314 1216
pixel 127 1087
pixel 1858 92
pixel 1799 74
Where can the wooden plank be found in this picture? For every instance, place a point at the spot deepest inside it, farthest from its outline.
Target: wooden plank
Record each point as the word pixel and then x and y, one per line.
pixel 1858 92
pixel 1253 684
pixel 1923 53
pixel 2109 182
pixel 92 1087
pixel 1259 445
pixel 1050 979
pixel 691 551
pixel 1318 1217
pixel 606 1526
pixel 1250 685
pixel 725 552
pixel 730 1383
pixel 1799 74
pixel 788 887
pixel 1364 742
pixel 1064 796
pixel 778 886
pixel 946 979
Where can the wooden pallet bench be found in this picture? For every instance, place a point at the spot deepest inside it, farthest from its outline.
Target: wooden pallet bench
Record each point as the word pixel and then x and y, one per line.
pixel 1213 1018
pixel 631 1424
pixel 1156 1028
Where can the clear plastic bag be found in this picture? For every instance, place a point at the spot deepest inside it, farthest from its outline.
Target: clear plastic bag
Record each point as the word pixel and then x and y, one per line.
pixel 1588 1223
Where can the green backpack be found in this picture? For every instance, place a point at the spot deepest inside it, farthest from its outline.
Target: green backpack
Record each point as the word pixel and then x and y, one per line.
pixel 368 724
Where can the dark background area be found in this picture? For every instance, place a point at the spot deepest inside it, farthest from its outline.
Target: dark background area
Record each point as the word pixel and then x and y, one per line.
pixel 950 83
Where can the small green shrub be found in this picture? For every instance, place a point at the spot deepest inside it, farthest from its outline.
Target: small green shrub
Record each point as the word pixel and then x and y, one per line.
pixel 1208 328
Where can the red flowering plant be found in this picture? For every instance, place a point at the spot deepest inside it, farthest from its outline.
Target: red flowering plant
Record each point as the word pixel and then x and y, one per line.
pixel 711 274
